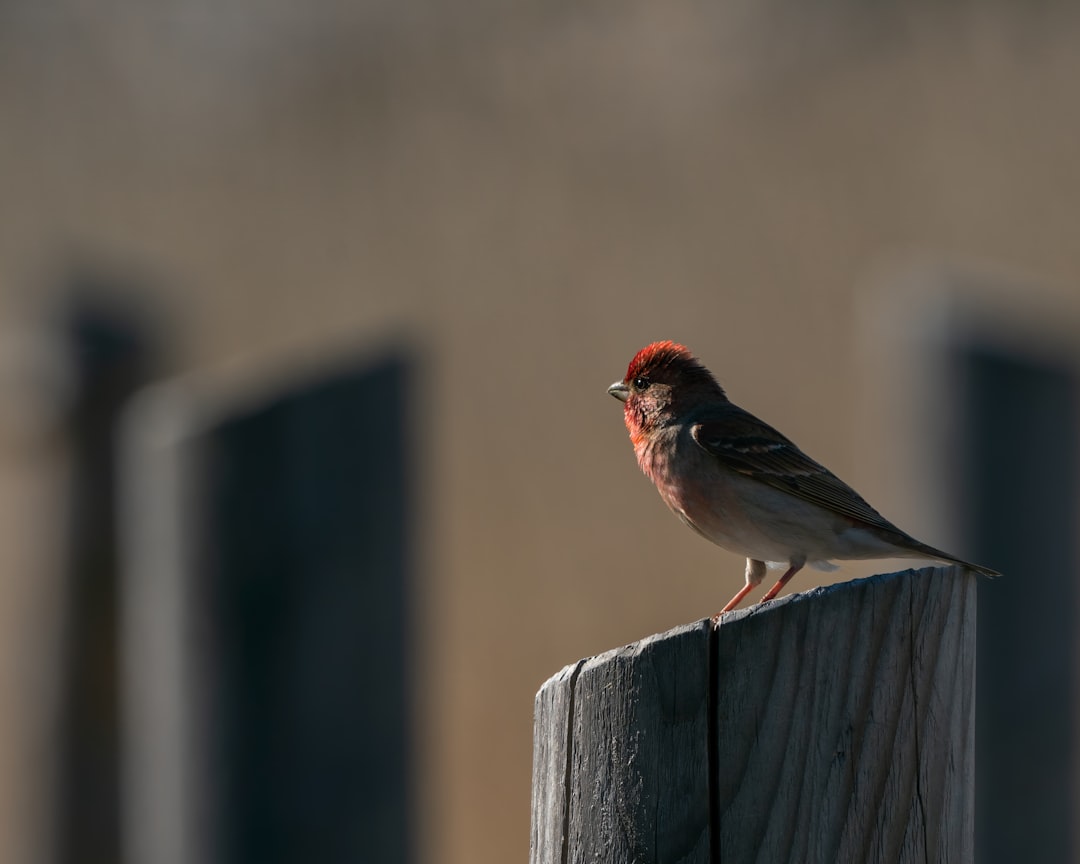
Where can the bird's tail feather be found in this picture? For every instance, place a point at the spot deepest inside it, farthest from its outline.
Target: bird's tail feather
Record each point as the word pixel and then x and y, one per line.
pixel 931 552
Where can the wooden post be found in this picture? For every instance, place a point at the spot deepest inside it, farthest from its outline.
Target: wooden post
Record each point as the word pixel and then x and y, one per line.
pixel 836 725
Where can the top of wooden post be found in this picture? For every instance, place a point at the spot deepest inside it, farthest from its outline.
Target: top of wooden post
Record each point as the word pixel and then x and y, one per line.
pixel 835 725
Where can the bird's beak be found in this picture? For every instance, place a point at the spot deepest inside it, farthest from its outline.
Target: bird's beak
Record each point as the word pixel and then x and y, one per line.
pixel 619 390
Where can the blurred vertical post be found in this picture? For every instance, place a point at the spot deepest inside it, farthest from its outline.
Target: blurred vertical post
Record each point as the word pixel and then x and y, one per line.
pixel 1018 475
pixel 266 622
pixel 110 359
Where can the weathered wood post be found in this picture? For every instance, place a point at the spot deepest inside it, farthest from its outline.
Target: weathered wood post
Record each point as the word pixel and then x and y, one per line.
pixel 833 726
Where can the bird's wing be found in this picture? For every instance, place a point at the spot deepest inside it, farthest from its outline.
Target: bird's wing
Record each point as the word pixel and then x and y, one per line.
pixel 749 446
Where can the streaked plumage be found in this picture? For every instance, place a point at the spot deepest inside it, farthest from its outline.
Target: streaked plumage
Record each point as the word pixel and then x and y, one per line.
pixel 740 483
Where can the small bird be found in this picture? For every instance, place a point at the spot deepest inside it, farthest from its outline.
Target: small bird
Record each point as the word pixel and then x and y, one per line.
pixel 740 483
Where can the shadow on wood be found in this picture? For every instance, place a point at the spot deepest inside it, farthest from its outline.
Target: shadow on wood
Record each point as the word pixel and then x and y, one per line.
pixel 836 725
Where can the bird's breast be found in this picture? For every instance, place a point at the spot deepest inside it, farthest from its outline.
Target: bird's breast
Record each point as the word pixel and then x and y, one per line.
pixel 735 512
pixel 690 485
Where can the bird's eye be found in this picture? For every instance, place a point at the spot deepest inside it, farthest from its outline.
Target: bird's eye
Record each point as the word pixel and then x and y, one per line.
pixel 640 383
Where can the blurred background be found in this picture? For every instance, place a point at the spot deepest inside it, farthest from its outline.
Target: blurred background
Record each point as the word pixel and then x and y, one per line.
pixel 308 478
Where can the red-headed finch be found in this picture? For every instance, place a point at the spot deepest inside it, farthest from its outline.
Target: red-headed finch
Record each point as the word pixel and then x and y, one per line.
pixel 740 483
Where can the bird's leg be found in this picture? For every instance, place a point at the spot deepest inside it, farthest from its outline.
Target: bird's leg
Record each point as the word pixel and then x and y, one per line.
pixel 755 572
pixel 796 566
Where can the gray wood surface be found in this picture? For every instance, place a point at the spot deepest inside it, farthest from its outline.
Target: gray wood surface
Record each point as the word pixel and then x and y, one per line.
pixel 831 726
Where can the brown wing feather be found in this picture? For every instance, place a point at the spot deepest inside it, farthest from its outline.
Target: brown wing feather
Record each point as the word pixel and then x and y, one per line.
pixel 743 443
pixel 751 447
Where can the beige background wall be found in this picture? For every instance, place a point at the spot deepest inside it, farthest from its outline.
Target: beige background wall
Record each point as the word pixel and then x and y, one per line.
pixel 526 195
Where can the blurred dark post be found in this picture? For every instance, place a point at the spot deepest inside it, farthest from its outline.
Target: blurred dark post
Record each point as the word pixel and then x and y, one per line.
pixel 305 580
pixel 110 359
pixel 1019 473
pixel 280 578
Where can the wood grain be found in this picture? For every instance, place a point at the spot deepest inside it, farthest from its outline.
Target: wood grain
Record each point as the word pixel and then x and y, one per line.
pixel 634 765
pixel 831 726
pixel 845 723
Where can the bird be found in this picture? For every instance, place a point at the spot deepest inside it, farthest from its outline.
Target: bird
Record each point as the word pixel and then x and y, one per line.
pixel 741 484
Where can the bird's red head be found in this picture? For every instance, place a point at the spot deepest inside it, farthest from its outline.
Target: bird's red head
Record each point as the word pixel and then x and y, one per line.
pixel 657 356
pixel 663 382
